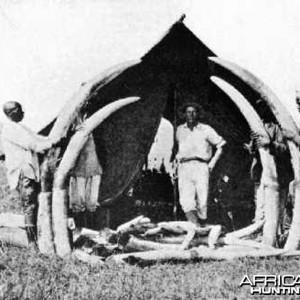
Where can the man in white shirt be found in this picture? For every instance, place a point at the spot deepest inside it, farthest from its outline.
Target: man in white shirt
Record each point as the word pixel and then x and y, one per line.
pixel 196 160
pixel 21 145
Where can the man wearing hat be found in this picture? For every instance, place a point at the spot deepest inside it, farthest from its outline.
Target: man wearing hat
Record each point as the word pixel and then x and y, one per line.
pixel 196 159
pixel 21 145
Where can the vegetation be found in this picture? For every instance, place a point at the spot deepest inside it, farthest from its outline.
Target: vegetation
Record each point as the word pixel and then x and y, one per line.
pixel 26 275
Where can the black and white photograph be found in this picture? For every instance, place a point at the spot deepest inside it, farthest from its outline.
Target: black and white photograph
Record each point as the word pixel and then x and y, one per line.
pixel 149 149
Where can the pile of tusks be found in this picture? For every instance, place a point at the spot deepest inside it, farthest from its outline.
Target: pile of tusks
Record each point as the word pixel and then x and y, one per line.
pixel 141 241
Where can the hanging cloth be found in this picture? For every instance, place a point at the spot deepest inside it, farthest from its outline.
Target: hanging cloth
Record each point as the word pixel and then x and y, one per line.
pixel 85 179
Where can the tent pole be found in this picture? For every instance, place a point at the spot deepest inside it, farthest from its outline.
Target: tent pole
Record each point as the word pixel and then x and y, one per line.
pixel 107 217
pixel 175 184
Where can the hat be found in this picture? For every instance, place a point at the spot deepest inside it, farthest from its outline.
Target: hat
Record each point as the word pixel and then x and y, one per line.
pixel 190 104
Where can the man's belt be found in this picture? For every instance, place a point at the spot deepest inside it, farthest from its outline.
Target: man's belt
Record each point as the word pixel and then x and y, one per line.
pixel 183 160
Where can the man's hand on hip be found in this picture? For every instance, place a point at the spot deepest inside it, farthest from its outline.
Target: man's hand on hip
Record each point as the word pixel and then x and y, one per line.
pixel 211 166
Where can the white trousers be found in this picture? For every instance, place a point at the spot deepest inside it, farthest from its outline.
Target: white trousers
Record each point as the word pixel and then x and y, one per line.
pixel 84 193
pixel 193 183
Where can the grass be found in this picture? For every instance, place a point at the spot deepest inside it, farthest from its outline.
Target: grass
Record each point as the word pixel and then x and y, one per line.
pixel 8 199
pixel 27 275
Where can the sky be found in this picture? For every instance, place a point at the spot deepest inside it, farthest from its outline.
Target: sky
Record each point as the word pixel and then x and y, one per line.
pixel 49 47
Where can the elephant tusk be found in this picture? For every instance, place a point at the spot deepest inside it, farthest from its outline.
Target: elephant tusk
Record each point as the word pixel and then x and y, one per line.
pixel 286 122
pixel 280 112
pixel 60 193
pixel 69 111
pixel 269 178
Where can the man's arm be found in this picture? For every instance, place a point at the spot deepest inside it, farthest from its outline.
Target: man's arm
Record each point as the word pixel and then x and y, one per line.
pixel 250 147
pixel 290 136
pixel 39 143
pixel 26 139
pixel 275 139
pixel 217 155
pixel 217 141
pixel 260 141
pixel 174 151
pixel 175 146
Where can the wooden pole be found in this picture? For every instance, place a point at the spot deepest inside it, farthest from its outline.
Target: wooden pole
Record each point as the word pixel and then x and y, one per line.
pixel 175 182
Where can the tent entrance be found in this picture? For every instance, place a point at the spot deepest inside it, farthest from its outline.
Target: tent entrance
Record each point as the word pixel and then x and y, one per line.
pixel 231 197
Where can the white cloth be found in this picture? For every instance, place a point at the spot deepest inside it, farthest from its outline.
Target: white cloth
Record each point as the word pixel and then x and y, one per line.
pixel 193 183
pixel 84 193
pixel 21 145
pixel 197 142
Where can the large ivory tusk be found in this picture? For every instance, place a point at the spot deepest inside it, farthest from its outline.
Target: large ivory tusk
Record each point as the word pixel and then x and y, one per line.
pixel 243 105
pixel 45 234
pixel 294 232
pixel 78 140
pixel 135 244
pixel 12 220
pixel 244 232
pixel 293 239
pixel 177 226
pixel 60 195
pixel 66 117
pixel 180 227
pixel 262 89
pixel 246 243
pixel 133 225
pixel 68 113
pixel 199 253
pixel 286 122
pixel 269 178
pixel 221 241
pixel 14 236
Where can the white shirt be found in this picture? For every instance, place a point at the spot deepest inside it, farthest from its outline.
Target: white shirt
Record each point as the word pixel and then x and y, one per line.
pixel 20 146
pixel 197 142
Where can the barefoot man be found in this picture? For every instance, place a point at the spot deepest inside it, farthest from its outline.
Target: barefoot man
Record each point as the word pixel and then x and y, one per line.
pixel 21 145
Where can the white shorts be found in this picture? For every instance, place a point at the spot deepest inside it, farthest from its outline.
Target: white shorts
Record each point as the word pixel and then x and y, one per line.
pixel 193 184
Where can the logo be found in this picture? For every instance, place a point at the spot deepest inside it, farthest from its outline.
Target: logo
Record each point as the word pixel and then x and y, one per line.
pixel 272 284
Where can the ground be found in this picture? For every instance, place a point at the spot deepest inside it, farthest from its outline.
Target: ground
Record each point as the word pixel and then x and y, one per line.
pixel 26 275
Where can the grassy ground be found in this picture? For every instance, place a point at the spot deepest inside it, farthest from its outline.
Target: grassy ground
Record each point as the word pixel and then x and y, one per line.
pixel 8 200
pixel 26 275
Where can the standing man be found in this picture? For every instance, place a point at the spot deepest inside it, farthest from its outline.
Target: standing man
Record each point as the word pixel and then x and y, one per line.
pixel 196 160
pixel 21 145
